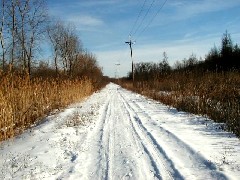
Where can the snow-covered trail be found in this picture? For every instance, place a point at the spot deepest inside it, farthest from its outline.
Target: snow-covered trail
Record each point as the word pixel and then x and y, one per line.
pixel 124 136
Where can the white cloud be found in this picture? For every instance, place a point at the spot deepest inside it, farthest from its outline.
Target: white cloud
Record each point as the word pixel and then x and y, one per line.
pixel 85 20
pixel 187 9
pixel 96 3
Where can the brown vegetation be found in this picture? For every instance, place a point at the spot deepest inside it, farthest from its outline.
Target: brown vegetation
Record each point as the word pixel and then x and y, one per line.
pixel 23 100
pixel 214 95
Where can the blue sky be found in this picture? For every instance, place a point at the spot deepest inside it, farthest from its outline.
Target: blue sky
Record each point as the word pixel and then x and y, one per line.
pixel 180 28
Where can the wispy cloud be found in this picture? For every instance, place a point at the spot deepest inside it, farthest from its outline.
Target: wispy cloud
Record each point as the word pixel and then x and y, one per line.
pixel 186 9
pixel 97 3
pixel 85 20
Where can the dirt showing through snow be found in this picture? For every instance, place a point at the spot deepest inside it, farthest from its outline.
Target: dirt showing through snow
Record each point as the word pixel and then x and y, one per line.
pixel 117 134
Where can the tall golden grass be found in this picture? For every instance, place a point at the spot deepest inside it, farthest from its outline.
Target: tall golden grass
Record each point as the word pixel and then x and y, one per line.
pixel 214 95
pixel 23 100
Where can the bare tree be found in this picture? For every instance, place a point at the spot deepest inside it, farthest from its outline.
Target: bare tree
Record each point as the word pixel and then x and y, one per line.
pixel 73 50
pixel 11 10
pixel 54 33
pixel 69 48
pixel 23 8
pixel 32 21
pixel 2 38
pixel 66 45
pixel 24 22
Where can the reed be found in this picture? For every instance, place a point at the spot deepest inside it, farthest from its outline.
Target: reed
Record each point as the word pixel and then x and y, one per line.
pixel 211 94
pixel 24 101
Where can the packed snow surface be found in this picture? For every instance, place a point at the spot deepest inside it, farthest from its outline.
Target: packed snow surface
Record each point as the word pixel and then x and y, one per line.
pixel 116 134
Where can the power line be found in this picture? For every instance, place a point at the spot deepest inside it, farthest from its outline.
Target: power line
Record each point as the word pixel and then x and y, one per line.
pixel 139 14
pixel 147 12
pixel 130 42
pixel 153 18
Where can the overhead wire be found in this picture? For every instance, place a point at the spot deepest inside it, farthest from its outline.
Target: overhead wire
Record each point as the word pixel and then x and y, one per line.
pixel 139 14
pixel 143 30
pixel 141 23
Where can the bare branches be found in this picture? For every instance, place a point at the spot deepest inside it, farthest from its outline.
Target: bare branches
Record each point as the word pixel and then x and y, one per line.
pixel 24 23
pixel 66 45
pixel 2 40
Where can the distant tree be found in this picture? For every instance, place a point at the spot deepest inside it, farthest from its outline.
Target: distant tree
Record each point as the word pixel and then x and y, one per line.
pixel 212 59
pixel 226 52
pixel 213 54
pixel 177 65
pixel 236 57
pixel 69 48
pixel 66 45
pixel 227 45
pixel 165 57
pixel 165 65
pixel 225 58
pixel 191 63
pixel 54 30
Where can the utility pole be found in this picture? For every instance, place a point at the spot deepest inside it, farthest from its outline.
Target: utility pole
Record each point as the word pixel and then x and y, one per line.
pixel 130 45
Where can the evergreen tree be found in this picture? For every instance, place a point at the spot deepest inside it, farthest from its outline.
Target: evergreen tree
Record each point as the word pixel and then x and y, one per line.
pixel 227 60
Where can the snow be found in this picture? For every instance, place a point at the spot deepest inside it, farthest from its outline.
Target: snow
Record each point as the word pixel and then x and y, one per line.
pixel 117 134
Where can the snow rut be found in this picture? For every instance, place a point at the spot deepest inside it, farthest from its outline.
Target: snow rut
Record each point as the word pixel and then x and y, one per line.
pixel 164 168
pixel 182 154
pixel 121 152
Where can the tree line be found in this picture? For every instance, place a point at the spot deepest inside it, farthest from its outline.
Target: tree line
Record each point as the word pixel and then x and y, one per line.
pixel 24 25
pixel 147 71
pixel 224 58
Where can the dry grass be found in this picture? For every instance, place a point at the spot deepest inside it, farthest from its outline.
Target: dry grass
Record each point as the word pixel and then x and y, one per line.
pixel 214 95
pixel 23 100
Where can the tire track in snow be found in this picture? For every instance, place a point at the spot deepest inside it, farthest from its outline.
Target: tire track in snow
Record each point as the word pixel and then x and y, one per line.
pixel 208 168
pixel 196 160
pixel 155 152
pixel 138 140
pixel 93 138
pixel 95 156
pixel 157 173
pixel 108 155
pixel 108 146
pixel 107 140
pixel 104 138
